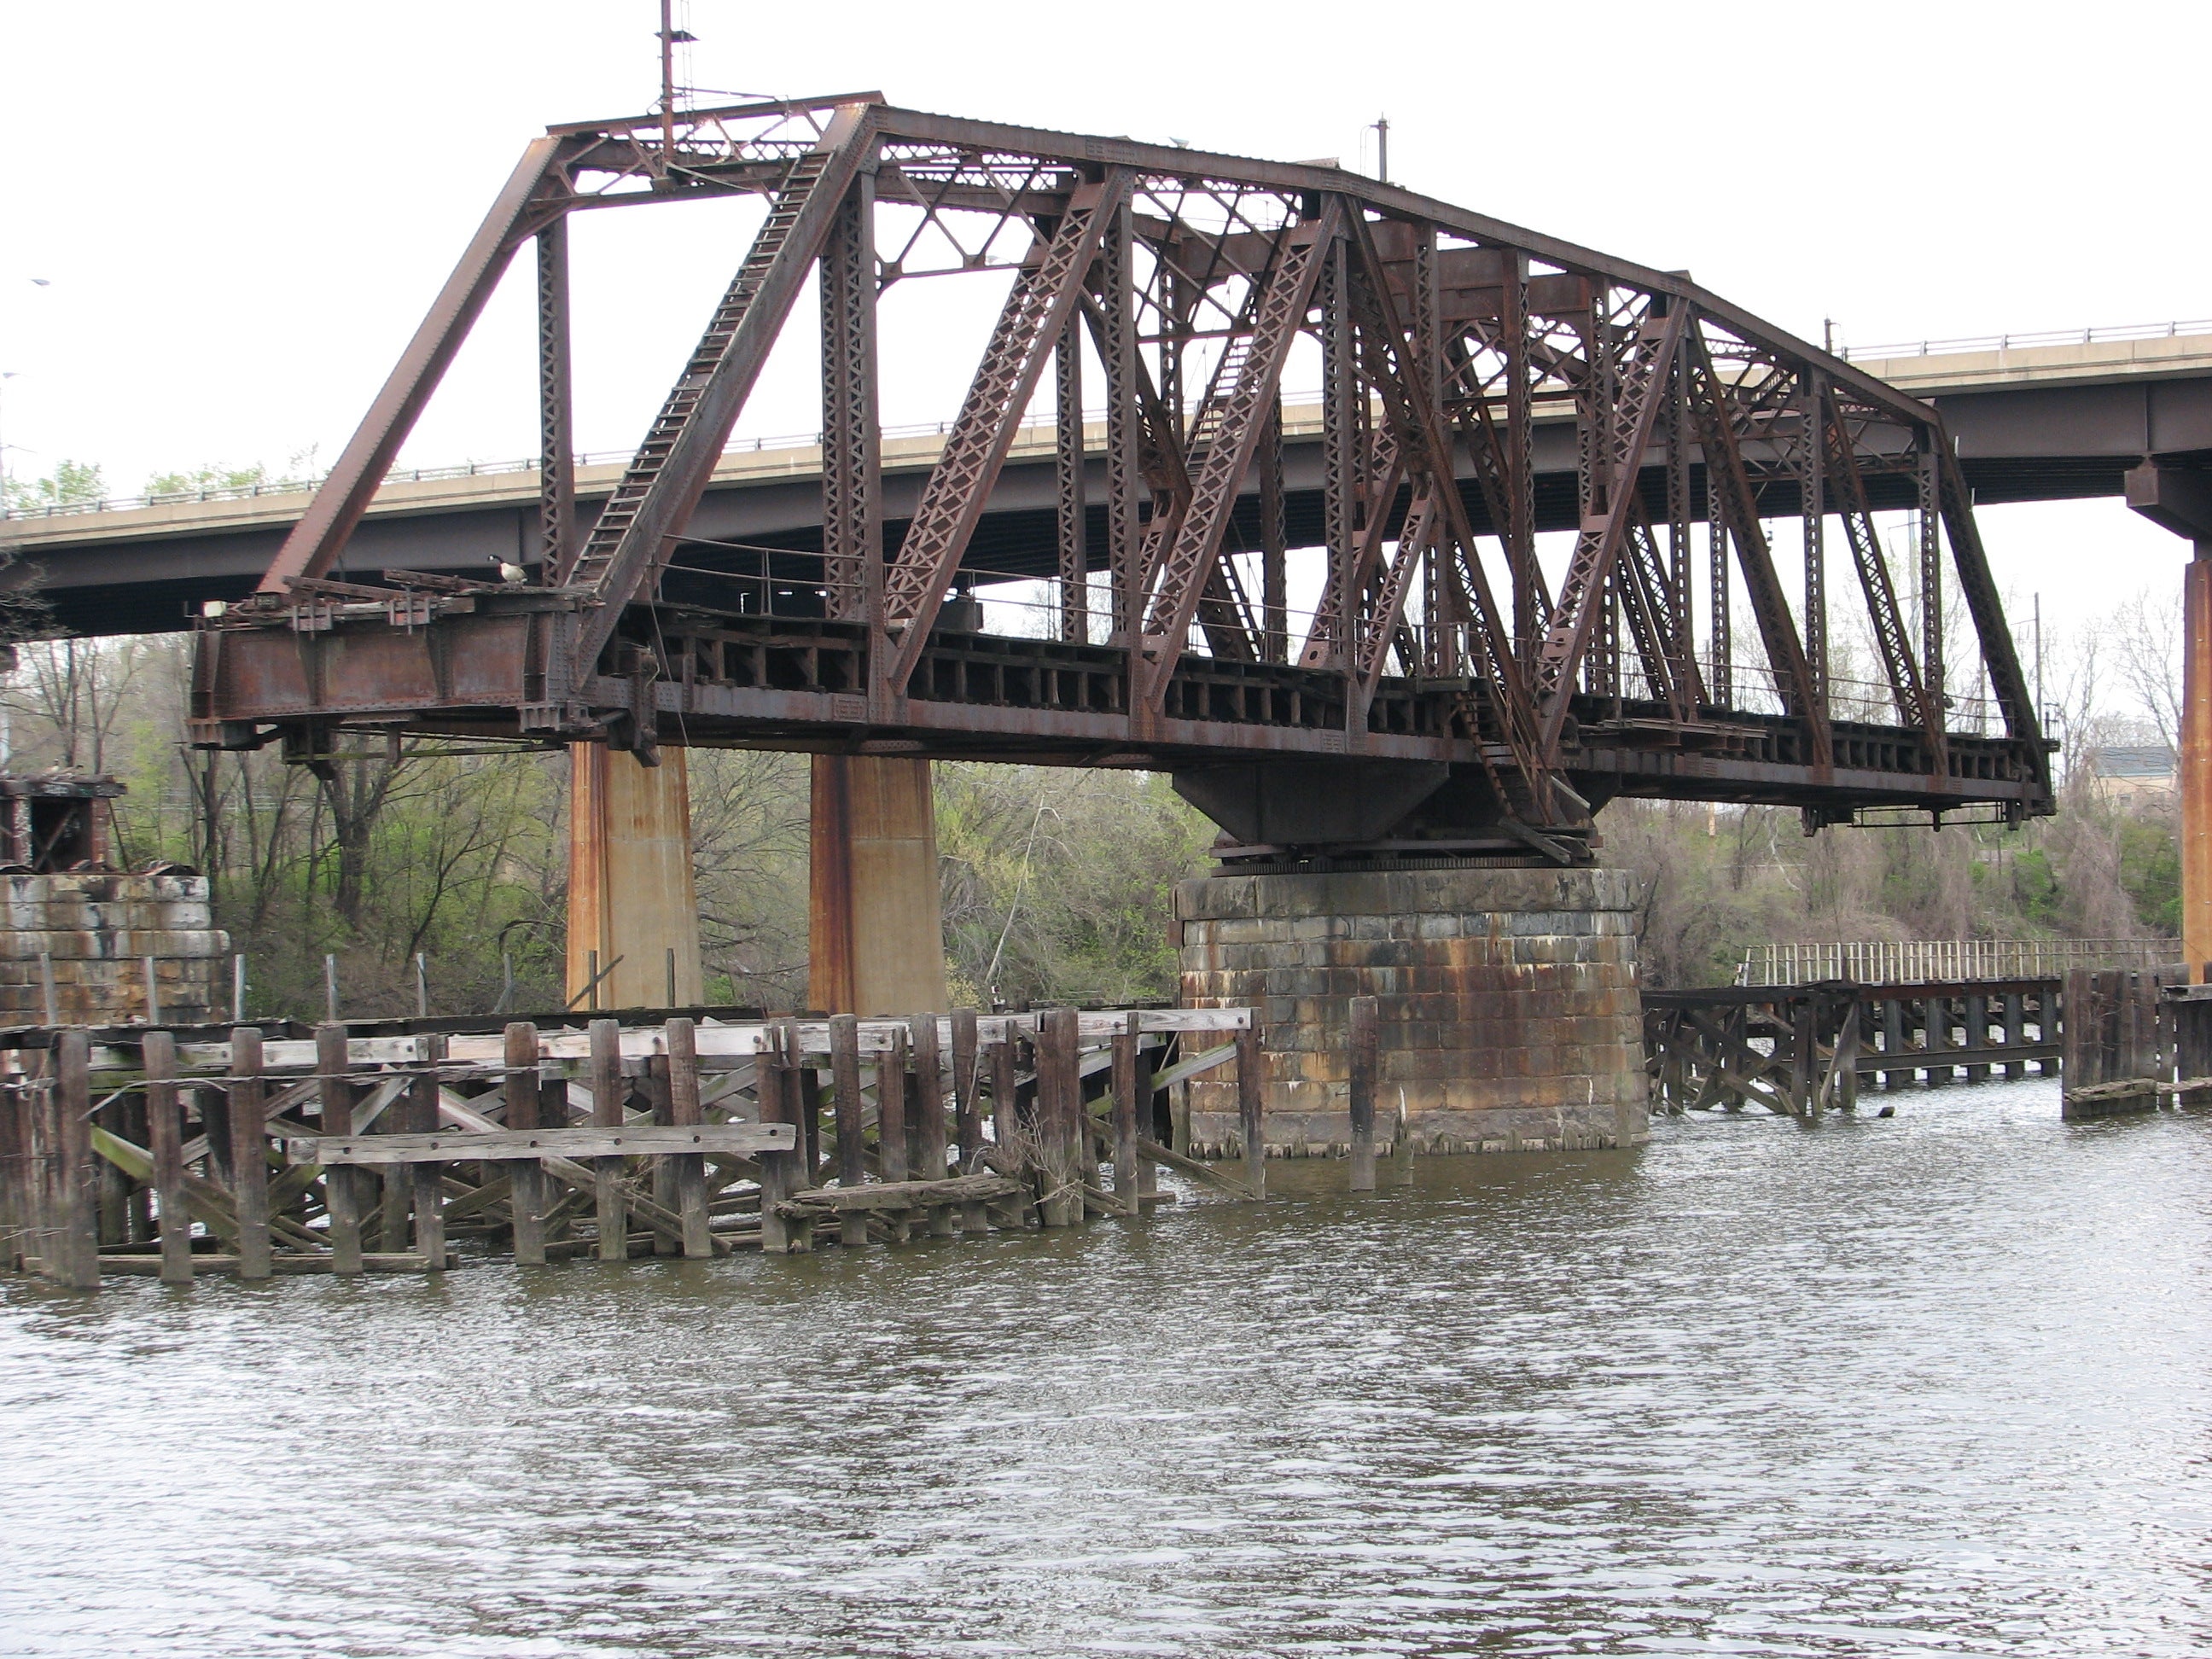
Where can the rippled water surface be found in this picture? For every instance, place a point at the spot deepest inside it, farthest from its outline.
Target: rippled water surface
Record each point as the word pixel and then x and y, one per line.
pixel 1934 1384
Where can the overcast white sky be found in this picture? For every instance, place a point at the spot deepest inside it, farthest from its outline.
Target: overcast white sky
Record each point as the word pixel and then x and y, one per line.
pixel 242 207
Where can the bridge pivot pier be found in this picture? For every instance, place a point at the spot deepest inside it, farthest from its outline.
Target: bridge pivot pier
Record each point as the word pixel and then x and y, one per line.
pixel 1507 1013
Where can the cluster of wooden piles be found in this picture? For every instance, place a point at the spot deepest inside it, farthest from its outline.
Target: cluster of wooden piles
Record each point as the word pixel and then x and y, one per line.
pixel 141 1153
pixel 1803 1050
pixel 2127 1032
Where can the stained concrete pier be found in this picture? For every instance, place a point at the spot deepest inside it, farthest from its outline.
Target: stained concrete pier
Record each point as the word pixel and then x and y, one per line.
pixel 1509 1014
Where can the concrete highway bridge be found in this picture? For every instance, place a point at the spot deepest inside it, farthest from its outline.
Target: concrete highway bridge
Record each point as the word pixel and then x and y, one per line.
pixel 1445 704
pixel 2035 417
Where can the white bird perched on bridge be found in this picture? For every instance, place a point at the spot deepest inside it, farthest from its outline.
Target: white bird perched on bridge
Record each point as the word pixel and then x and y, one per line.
pixel 513 574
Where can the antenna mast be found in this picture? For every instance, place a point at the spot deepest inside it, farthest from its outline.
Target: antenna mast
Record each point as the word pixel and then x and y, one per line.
pixel 670 37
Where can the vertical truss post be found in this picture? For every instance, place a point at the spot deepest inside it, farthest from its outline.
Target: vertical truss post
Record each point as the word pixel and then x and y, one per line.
pixel 1605 659
pixel 1925 477
pixel 2023 721
pixel 1074 553
pixel 1582 613
pixel 852 439
pixel 1727 476
pixel 1814 509
pixel 1174 299
pixel 1520 469
pixel 1427 313
pixel 1115 338
pixel 316 541
pixel 556 447
pixel 1339 444
pixel 1030 325
pixel 1682 648
pixel 1274 542
pixel 1891 634
pixel 1591 410
pixel 1247 384
pixel 1720 681
pixel 629 542
pixel 1427 310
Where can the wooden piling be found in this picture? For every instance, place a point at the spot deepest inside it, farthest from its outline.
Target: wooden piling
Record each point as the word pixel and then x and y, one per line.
pixel 1804 1028
pixel 18 1180
pixel 778 1092
pixel 70 1250
pixel 1060 1199
pixel 2077 1045
pixel 341 1183
pixel 930 1142
pixel 526 1180
pixel 893 1126
pixel 686 1112
pixel 1148 1173
pixel 967 1109
pixel 892 1113
pixel 1250 1107
pixel 1366 1049
pixel 852 1156
pixel 165 1138
pixel 1844 1066
pixel 2193 1046
pixel 1978 1035
pixel 249 1164
pixel 1127 1046
pixel 607 1097
pixel 2015 1037
pixel 1006 1093
pixel 429 1178
pixel 1893 1044
pixel 661 1171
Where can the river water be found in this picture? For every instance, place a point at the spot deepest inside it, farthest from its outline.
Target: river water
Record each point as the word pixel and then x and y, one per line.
pixel 1936 1383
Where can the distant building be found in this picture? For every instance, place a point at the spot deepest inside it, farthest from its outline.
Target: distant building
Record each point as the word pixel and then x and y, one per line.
pixel 2129 772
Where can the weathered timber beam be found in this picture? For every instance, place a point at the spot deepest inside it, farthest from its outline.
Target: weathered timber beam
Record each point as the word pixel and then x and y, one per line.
pixel 900 1195
pixel 632 1140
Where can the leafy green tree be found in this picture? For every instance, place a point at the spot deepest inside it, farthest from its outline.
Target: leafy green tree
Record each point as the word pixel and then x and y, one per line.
pixel 71 483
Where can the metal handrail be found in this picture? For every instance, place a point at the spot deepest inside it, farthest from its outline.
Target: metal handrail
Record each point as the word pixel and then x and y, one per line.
pixel 2021 342
pixel 1905 962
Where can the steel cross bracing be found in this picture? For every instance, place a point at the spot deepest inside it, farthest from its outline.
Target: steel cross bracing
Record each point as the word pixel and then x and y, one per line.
pixel 1174 620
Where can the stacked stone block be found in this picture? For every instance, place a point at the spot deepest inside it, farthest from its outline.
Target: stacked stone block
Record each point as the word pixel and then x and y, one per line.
pixel 1510 1017
pixel 98 930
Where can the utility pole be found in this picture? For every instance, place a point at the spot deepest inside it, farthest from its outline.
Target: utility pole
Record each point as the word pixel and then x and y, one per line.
pixel 1382 148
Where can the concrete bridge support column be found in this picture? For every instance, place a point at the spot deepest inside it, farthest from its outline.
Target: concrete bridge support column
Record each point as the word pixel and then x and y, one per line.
pixel 631 899
pixel 2196 763
pixel 2181 501
pixel 1509 1014
pixel 876 931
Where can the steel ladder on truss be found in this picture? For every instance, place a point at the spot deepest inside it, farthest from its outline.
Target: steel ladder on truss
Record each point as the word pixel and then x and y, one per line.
pixel 622 507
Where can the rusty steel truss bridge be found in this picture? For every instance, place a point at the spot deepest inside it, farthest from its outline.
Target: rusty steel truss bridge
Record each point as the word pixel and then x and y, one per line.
pixel 1428 691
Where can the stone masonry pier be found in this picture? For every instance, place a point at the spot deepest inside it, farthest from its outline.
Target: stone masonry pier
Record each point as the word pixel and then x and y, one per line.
pixel 1510 1020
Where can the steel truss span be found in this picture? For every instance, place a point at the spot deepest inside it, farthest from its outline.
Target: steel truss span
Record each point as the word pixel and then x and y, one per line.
pixel 1453 690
